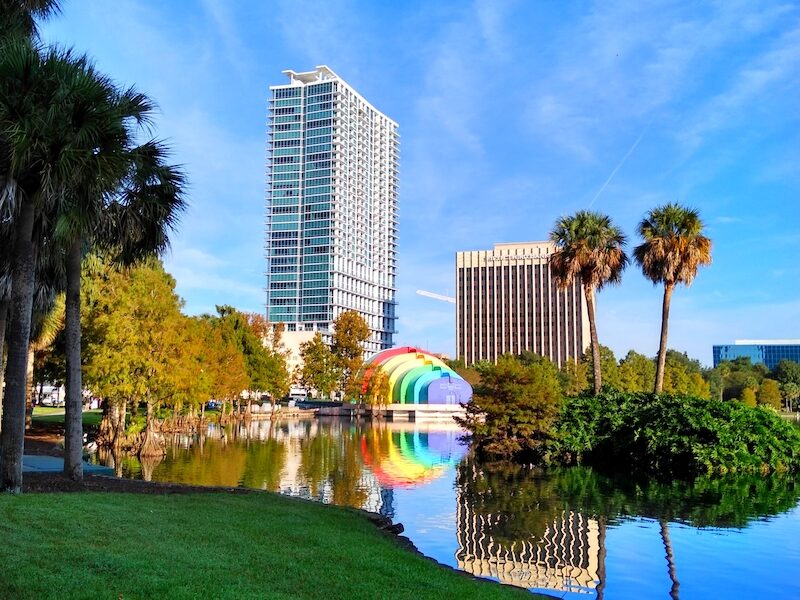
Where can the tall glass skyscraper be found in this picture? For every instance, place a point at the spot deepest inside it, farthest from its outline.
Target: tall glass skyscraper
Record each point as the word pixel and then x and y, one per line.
pixel 331 207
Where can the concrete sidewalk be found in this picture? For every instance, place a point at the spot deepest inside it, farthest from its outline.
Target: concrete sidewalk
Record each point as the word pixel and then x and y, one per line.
pixel 52 464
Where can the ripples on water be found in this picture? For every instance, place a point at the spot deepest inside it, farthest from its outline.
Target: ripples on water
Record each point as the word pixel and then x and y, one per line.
pixel 572 532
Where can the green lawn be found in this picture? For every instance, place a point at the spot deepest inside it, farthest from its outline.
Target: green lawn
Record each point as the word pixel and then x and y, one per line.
pixel 48 414
pixel 204 545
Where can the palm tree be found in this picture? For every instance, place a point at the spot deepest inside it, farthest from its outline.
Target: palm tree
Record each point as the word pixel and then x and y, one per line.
pixel 126 203
pixel 18 17
pixel 78 220
pixel 47 126
pixel 589 247
pixel 674 249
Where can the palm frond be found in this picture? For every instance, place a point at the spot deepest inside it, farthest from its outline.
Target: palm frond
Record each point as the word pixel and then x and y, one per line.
pixel 587 245
pixel 673 247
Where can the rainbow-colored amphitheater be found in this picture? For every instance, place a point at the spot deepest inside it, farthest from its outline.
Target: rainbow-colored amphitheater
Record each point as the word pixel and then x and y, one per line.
pixel 417 377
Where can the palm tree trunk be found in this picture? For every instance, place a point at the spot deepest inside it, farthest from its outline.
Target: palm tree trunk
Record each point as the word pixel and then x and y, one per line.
pixel 598 377
pixel 662 347
pixel 73 419
pixel 674 591
pixel 3 321
pixel 12 437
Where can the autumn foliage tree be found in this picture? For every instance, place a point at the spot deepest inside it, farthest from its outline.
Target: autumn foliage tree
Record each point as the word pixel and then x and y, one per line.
pixel 320 369
pixel 133 330
pixel 769 394
pixel 350 331
pixel 378 389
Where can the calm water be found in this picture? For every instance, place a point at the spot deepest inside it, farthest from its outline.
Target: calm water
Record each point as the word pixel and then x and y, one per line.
pixel 571 533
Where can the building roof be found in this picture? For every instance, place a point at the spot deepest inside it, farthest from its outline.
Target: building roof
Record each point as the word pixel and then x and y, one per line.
pixel 766 342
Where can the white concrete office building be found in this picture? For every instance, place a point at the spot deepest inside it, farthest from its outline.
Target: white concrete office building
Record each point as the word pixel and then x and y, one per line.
pixel 331 246
pixel 507 301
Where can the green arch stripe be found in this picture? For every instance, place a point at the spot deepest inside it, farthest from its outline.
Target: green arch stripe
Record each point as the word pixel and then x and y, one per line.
pixel 404 392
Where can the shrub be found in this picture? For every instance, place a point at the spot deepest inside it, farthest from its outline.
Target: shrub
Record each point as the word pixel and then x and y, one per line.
pixel 681 435
pixel 514 409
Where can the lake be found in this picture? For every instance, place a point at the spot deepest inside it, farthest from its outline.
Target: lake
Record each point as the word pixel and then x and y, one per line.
pixel 572 533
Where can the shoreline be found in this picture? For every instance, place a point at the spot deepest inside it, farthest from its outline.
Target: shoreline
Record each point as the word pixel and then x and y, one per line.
pixel 45 442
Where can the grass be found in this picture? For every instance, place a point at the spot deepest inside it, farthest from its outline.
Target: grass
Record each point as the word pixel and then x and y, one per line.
pixel 128 546
pixel 50 415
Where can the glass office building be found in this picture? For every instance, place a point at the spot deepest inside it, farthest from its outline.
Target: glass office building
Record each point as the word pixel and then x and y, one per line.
pixel 768 352
pixel 331 207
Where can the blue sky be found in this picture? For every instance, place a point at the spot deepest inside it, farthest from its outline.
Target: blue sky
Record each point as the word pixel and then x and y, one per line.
pixel 511 114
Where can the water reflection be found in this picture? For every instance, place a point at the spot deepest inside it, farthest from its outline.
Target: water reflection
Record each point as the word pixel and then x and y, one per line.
pixel 548 529
pixel 516 529
pixel 332 461
pixel 572 532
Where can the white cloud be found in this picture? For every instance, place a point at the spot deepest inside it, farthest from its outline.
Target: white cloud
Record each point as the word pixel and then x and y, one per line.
pixel 753 88
pixel 234 49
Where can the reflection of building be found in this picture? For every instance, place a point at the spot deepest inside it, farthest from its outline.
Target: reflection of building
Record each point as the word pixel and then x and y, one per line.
pixel 331 207
pixel 768 352
pixel 507 301
pixel 569 557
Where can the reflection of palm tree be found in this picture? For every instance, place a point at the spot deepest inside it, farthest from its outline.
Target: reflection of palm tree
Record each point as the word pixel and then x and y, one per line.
pixel 670 559
pixel 601 559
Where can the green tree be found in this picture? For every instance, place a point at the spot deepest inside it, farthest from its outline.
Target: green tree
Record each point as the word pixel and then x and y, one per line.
pixel 738 374
pixel 18 18
pixel 47 127
pixel 787 371
pixel 791 393
pixel 320 369
pixel 225 364
pixel 748 396
pixel 133 326
pixel 673 249
pixel 574 377
pixel 208 366
pixel 608 366
pixel 589 252
pixel 350 331
pixel 514 409
pixel 125 199
pixel 378 389
pixel 636 372
pixel 683 375
pixel 18 22
pixel 266 369
pixel 769 394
